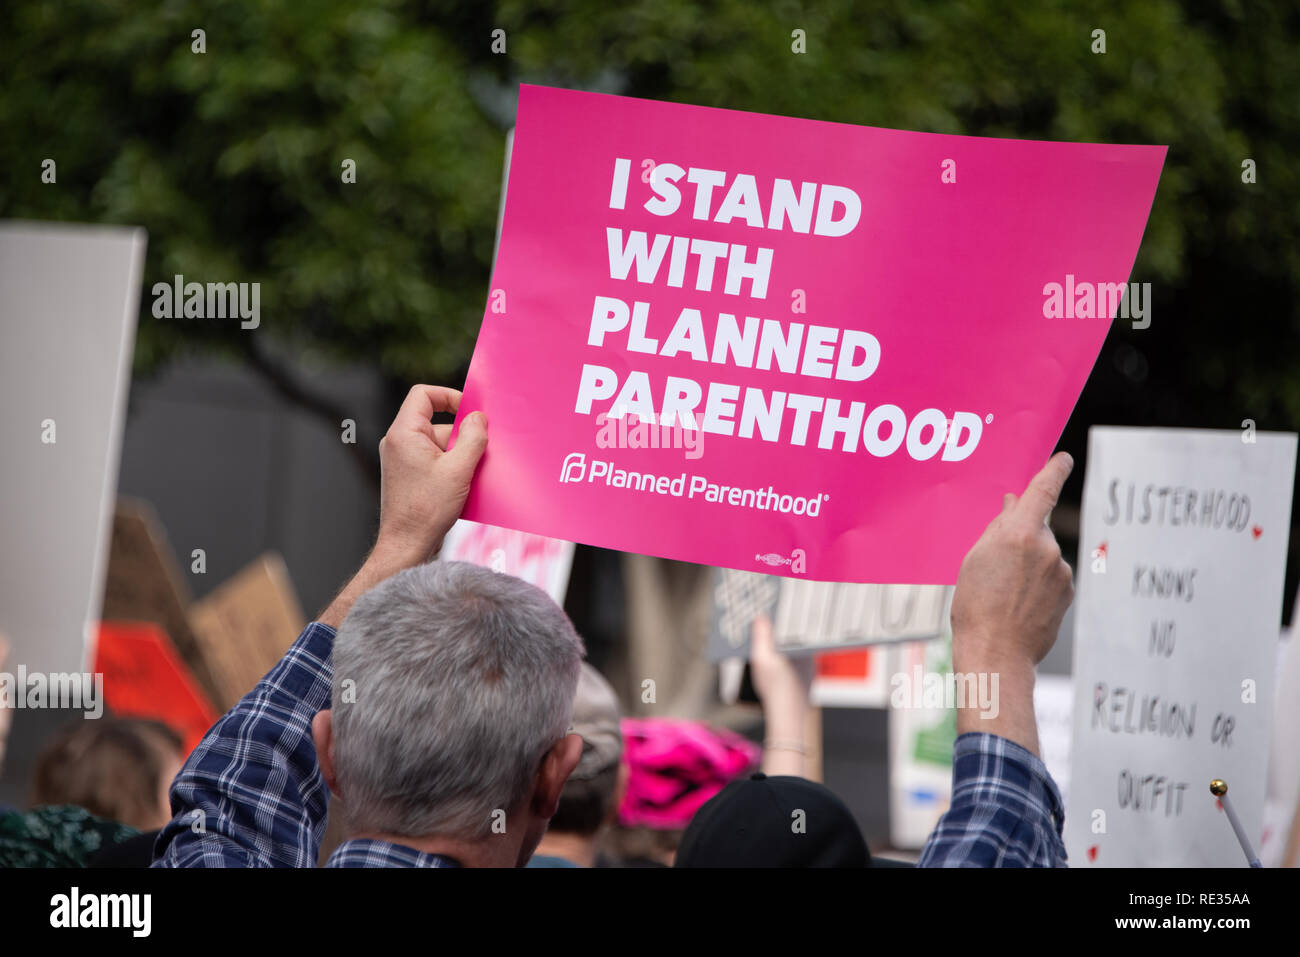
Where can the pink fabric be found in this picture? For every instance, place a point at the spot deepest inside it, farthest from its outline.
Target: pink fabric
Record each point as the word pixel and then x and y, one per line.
pixel 675 767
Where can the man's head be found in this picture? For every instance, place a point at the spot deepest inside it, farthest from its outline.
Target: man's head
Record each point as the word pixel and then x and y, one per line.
pixel 453 692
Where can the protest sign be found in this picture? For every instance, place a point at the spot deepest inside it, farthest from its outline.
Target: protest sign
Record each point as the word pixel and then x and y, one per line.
pixel 821 615
pixel 1182 552
pixel 1054 715
pixel 922 730
pixel 144 583
pixel 68 303
pixel 852 679
pixel 246 625
pixel 1282 793
pixel 778 345
pixel 812 616
pixel 144 677
pixel 538 560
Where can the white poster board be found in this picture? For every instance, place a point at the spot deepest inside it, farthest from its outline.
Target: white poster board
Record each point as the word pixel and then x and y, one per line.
pixel 69 297
pixel 812 616
pixel 538 560
pixel 1054 714
pixel 1282 795
pixel 1182 554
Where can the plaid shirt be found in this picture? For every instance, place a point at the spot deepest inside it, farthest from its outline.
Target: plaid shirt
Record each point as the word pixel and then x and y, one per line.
pixel 367 853
pixel 251 794
pixel 1005 811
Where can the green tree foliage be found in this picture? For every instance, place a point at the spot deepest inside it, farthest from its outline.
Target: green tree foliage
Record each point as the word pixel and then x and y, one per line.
pixel 233 161
pixel 231 158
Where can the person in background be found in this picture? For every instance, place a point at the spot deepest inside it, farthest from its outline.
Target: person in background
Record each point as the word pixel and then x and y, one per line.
pixel 782 684
pixel 591 796
pixel 1012 592
pixel 674 768
pixel 116 768
pixel 97 785
pixel 777 817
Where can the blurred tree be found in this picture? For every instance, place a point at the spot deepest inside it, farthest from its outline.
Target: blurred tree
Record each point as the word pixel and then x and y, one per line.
pixel 233 158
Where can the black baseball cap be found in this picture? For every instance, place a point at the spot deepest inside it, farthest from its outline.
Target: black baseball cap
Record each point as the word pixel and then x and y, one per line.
pixel 764 821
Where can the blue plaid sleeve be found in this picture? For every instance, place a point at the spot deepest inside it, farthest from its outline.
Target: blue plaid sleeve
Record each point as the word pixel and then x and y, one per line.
pixel 251 794
pixel 1005 811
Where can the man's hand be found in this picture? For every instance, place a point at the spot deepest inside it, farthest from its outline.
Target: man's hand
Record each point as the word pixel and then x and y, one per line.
pixel 422 490
pixel 424 486
pixel 1012 592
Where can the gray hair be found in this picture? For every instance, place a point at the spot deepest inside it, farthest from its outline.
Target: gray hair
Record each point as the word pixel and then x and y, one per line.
pixel 464 679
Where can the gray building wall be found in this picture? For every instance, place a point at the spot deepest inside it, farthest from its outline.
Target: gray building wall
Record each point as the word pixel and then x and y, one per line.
pixel 234 469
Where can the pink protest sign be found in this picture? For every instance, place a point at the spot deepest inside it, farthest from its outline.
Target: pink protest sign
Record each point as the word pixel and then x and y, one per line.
pixel 788 346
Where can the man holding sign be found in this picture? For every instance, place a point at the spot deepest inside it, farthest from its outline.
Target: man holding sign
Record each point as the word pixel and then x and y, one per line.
pixel 437 697
pixel 862 332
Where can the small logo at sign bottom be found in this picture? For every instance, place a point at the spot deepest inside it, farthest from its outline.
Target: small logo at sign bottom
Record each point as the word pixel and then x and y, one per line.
pixel 796 561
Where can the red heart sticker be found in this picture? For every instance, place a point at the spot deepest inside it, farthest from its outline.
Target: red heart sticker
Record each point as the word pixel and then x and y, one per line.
pixel 1092 852
pixel 1257 531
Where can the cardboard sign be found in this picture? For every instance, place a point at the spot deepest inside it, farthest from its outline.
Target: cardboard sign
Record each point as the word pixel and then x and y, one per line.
pixel 1182 551
pixel 144 677
pixel 246 626
pixel 144 583
pixel 538 560
pixel 770 344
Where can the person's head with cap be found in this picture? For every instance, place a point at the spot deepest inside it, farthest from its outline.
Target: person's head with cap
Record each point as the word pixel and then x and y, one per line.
pixel 591 795
pixel 765 821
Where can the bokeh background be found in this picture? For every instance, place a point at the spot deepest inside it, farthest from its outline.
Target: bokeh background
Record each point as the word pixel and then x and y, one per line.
pixel 231 158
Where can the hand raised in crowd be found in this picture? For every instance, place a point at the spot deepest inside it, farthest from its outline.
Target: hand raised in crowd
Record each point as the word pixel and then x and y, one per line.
pixel 1012 593
pixel 422 489
pixel 424 486
pixel 782 685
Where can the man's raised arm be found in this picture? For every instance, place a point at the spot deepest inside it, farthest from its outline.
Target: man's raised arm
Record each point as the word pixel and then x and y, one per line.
pixel 251 794
pixel 1012 592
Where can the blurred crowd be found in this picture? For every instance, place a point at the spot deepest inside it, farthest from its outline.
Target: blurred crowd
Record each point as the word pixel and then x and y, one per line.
pixel 441 714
